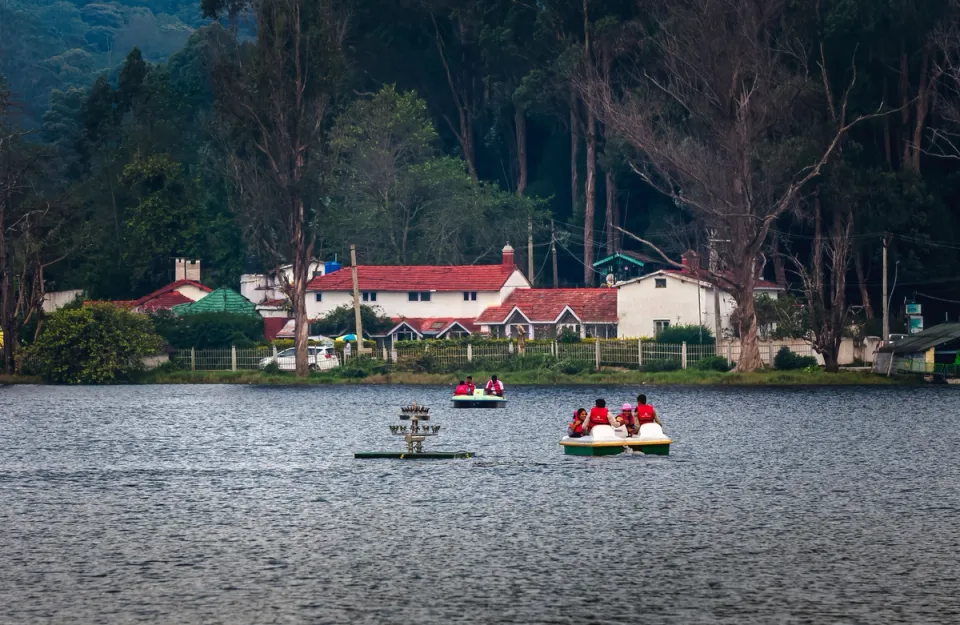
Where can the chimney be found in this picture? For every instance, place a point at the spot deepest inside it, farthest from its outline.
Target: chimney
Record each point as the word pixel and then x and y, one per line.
pixel 187 270
pixel 508 255
pixel 690 261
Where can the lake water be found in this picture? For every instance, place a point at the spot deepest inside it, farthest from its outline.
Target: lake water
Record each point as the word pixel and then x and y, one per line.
pixel 236 505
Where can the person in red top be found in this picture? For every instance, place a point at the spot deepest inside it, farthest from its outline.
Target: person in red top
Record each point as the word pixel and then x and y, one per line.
pixel 626 418
pixel 599 415
pixel 575 430
pixel 471 387
pixel 645 412
pixel 494 387
pixel 461 389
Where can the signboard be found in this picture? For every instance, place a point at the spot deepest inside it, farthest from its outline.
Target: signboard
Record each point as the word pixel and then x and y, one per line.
pixel 915 324
pixel 913 309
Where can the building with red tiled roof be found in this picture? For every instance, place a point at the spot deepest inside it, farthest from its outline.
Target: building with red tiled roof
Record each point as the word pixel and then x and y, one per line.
pixel 544 313
pixel 431 328
pixel 174 294
pixel 419 291
pixel 682 296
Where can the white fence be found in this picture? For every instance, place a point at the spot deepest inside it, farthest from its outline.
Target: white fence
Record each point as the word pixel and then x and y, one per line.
pixel 604 353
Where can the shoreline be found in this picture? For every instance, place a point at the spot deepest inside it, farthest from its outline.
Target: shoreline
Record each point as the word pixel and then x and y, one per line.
pixel 689 377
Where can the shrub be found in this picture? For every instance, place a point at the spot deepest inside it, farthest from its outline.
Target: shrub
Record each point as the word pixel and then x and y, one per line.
pixel 209 330
pixel 713 363
pixel 691 334
pixel 568 336
pixel 570 367
pixel 786 360
pixel 655 366
pixel 97 344
pixel 272 368
pixel 352 371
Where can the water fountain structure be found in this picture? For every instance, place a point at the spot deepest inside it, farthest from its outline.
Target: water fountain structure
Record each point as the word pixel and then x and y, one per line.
pixel 414 435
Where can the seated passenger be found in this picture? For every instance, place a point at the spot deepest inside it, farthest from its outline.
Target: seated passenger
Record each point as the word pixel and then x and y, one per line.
pixel 599 415
pixel 575 429
pixel 494 387
pixel 461 389
pixel 645 412
pixel 471 387
pixel 626 418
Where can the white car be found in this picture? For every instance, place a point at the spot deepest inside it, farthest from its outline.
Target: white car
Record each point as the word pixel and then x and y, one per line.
pixel 321 358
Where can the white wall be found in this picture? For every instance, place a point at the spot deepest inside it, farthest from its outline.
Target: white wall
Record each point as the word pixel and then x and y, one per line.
pixel 393 304
pixel 640 304
pixel 252 285
pixel 55 300
pixel 192 292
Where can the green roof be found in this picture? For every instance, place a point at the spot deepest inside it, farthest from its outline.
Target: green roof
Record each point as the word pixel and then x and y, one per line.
pixel 219 301
pixel 621 256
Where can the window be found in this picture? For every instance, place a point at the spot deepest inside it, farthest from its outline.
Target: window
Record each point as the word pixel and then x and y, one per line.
pixel 422 296
pixel 660 283
pixel 317 274
pixel 412 297
pixel 425 296
pixel 469 296
pixel 659 326
pixel 319 296
pixel 369 296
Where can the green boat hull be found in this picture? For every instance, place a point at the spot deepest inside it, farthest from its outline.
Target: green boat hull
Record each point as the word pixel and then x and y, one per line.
pixel 655 449
pixel 426 455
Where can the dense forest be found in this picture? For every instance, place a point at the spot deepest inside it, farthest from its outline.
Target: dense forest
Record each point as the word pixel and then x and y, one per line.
pixel 783 140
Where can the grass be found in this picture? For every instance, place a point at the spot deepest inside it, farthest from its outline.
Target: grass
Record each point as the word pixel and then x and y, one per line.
pixel 20 379
pixel 688 377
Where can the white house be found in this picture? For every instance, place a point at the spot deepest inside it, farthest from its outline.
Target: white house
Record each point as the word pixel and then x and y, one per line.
pixel 419 291
pixel 263 289
pixel 650 303
pixel 544 313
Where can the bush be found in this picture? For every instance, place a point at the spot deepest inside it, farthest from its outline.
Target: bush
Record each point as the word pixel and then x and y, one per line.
pixel 568 336
pixel 272 368
pixel 352 372
pixel 97 344
pixel 656 366
pixel 209 330
pixel 690 334
pixel 713 363
pixel 786 360
pixel 570 367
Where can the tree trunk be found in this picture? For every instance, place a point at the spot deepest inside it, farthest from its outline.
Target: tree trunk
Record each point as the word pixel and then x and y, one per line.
pixel 862 283
pixel 779 271
pixel 611 217
pixel 831 359
pixel 922 107
pixel 904 106
pixel 520 123
pixel 749 347
pixel 590 198
pixel 574 155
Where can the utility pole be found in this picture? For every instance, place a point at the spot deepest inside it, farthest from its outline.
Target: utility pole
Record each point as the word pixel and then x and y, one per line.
pixel 714 268
pixel 553 250
pixel 530 275
pixel 886 301
pixel 356 298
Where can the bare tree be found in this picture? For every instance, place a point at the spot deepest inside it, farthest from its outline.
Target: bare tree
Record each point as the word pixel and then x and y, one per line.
pixel 277 97
pixel 714 113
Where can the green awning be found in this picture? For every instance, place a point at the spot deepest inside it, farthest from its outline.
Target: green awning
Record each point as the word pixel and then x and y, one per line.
pixel 630 258
pixel 222 300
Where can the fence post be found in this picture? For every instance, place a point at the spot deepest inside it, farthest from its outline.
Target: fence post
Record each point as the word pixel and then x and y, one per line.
pixel 639 353
pixel 469 352
pixel 510 347
pixel 729 352
pixel 596 343
pixel 274 351
pixel 384 353
pixel 233 358
pixel 683 354
pixel 193 359
pixel 553 349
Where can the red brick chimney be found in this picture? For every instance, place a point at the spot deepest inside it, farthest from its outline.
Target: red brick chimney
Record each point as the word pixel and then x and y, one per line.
pixel 508 255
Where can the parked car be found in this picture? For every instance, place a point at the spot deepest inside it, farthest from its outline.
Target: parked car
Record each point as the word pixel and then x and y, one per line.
pixel 321 358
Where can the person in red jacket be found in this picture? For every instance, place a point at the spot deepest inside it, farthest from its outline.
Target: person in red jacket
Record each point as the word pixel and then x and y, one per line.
pixel 494 387
pixel 575 429
pixel 626 418
pixel 461 389
pixel 645 412
pixel 471 387
pixel 599 415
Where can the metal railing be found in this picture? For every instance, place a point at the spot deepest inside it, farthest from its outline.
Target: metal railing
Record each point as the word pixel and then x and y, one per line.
pixel 626 353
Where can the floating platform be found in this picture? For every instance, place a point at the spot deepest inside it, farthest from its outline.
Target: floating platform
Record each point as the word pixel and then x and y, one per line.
pixel 404 455
pixel 479 401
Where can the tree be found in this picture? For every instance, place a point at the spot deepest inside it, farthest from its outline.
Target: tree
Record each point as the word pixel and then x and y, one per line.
pixel 716 114
pixel 97 344
pixel 277 97
pixel 341 320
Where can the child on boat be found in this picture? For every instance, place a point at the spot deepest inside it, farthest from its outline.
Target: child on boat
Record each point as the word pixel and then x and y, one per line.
pixel 575 429
pixel 599 415
pixel 461 389
pixel 627 419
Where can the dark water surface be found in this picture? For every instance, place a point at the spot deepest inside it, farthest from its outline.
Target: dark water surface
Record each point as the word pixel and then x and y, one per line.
pixel 235 505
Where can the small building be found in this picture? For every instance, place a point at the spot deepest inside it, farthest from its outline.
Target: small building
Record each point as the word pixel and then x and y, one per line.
pixel 921 352
pixel 264 289
pixel 430 328
pixel 545 313
pixel 55 300
pixel 650 303
pixel 223 300
pixel 419 291
pixel 623 266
